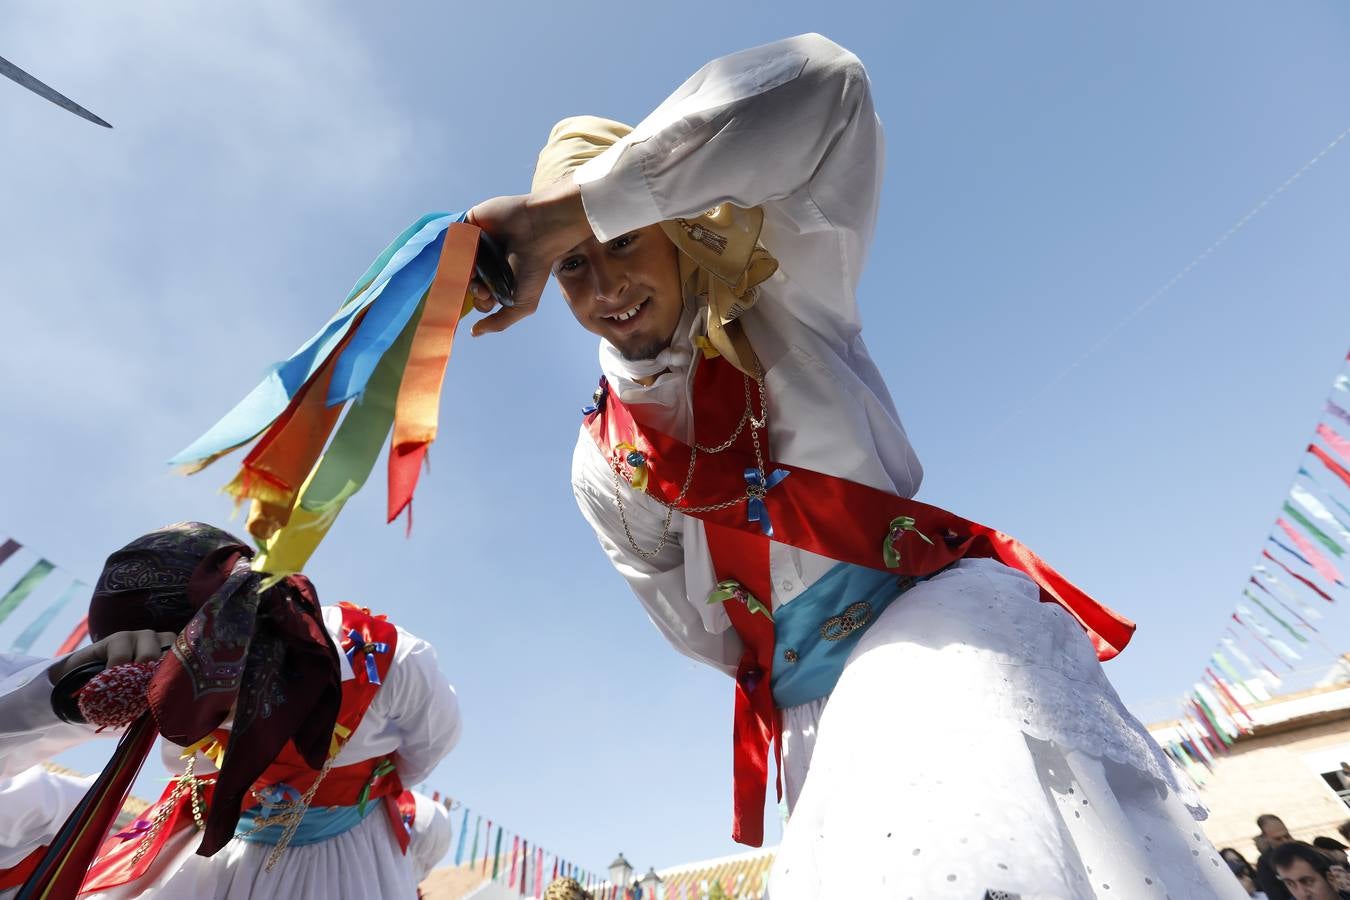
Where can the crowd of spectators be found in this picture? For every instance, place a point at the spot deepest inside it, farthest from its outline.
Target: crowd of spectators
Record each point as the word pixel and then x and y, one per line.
pixel 1292 870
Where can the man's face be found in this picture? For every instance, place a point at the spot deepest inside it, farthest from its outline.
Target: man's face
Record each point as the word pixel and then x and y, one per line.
pixel 1276 833
pixel 1304 882
pixel 626 290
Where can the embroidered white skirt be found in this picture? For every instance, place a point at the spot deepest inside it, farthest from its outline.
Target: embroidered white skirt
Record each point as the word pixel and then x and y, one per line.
pixel 973 745
pixel 359 864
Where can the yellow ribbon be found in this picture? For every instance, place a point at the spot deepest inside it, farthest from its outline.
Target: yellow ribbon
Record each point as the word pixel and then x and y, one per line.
pixel 709 351
pixel 340 735
pixel 209 747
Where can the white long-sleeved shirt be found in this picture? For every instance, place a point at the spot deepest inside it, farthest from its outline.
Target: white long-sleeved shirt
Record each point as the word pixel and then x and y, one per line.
pixel 788 127
pixel 30 732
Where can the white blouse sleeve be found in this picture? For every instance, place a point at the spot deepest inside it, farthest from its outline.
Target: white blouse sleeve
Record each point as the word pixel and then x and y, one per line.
pixel 658 582
pixel 790 127
pixel 29 731
pixel 33 805
pixel 423 707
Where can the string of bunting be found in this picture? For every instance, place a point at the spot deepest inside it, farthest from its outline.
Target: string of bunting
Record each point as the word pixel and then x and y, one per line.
pixel 27 578
pixel 487 846
pixel 1273 628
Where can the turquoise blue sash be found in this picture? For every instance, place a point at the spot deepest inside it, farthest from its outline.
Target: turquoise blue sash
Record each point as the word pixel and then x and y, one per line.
pixel 319 824
pixel 814 634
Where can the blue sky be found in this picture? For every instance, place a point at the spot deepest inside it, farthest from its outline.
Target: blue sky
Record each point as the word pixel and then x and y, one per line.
pixel 1050 166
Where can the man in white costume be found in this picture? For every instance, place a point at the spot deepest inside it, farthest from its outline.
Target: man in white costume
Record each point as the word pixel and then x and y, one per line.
pixel 745 470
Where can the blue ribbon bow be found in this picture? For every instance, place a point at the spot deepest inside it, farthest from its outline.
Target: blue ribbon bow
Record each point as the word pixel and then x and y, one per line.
pixel 276 795
pixel 756 487
pixel 358 645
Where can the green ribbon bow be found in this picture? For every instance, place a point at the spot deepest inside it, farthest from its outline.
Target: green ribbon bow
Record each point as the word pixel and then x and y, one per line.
pixel 384 768
pixel 731 590
pixel 899 525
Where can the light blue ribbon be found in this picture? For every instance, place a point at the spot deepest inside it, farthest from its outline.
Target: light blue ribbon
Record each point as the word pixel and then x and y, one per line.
pixel 756 510
pixel 278 794
pixel 252 415
pixel 370 649
pixel 399 288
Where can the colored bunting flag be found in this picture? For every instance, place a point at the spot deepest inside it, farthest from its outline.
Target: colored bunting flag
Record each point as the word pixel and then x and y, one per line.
pixel 24 642
pixel 1260 640
pixel 8 549
pixel 1273 585
pixel 1326 541
pixel 75 638
pixel 24 586
pixel 1226 667
pixel 1305 581
pixel 463 833
pixel 1324 566
pixel 1333 467
pixel 1250 619
pixel 1339 445
pixel 1318 511
pixel 1345 510
pixel 1338 412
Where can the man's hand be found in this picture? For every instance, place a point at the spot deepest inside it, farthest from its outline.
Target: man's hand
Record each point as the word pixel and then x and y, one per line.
pixel 115 649
pixel 533 230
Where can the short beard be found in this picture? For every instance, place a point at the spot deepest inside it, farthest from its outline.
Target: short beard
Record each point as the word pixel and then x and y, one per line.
pixel 644 352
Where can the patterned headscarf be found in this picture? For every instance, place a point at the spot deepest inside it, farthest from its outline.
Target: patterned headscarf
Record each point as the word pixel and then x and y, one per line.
pixel 721 260
pixel 260 655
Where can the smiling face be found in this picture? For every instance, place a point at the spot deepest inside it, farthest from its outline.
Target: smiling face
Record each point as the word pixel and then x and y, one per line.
pixel 626 290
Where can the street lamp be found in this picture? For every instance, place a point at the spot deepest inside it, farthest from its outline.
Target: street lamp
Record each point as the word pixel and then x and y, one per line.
pixel 650 883
pixel 620 872
pixel 621 876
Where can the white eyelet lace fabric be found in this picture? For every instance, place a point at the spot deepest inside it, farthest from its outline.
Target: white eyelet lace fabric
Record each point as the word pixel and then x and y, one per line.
pixel 974 744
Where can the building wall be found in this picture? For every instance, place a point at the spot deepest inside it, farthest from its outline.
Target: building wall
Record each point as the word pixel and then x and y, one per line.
pixel 1277 774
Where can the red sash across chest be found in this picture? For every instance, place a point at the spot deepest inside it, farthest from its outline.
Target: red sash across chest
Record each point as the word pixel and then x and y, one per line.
pixel 364 636
pixel 839 519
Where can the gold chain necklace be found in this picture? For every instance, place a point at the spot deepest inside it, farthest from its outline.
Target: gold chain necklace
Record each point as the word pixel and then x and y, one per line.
pixel 752 491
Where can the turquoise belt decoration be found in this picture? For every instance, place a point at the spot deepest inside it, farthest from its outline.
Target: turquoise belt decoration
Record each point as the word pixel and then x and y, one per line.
pixel 320 823
pixel 818 629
